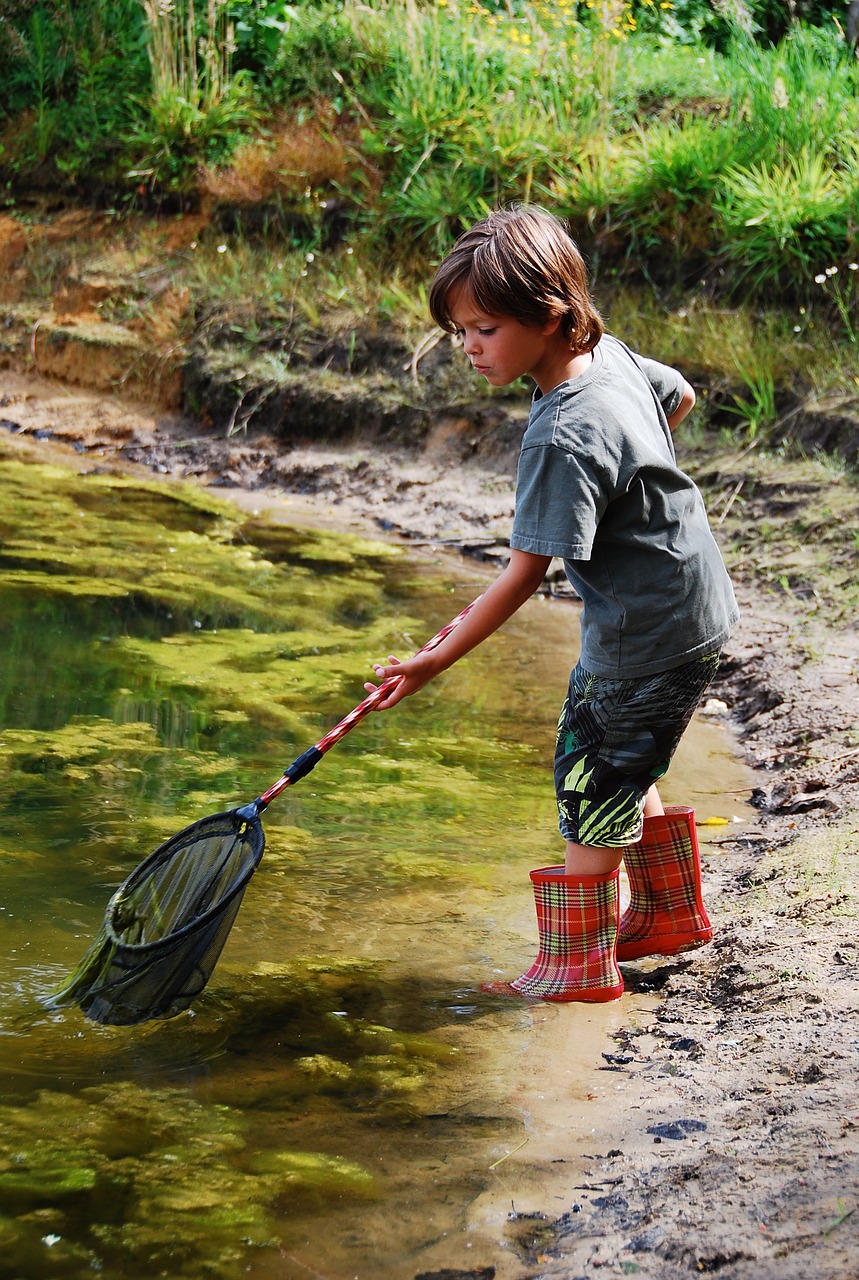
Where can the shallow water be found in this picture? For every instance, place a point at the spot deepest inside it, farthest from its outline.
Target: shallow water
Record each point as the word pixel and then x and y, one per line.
pixel 342 1100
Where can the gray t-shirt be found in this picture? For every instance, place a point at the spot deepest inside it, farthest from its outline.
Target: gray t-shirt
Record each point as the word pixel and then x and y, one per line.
pixel 598 485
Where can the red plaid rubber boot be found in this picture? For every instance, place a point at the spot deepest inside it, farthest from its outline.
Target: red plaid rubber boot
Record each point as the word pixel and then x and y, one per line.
pixel 666 912
pixel 577 918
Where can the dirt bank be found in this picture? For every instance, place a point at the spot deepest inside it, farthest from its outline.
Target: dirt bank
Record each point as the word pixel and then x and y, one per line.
pixel 736 1148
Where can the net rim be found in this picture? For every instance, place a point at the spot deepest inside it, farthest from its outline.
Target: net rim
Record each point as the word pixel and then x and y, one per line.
pixel 158 856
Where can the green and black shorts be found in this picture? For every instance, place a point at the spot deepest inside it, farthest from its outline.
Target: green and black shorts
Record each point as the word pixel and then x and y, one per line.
pixel 615 739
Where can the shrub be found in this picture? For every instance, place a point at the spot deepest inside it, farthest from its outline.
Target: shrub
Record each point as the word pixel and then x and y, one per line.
pixel 782 221
pixel 71 75
pixel 804 93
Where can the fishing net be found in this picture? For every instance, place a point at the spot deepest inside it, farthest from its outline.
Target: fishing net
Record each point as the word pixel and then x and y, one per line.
pixel 166 925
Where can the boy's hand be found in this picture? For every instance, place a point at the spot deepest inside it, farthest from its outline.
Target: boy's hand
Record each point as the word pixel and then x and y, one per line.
pixel 409 676
pixel 514 585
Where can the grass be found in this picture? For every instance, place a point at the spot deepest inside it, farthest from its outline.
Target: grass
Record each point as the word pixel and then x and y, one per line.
pixel 737 346
pixel 733 345
pixel 341 150
pixel 672 156
pixel 819 870
pixel 785 520
pixel 257 290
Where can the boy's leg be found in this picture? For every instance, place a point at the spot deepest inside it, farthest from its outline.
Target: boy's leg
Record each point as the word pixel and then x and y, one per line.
pixel 614 737
pixel 577 918
pixel 577 904
pixel 666 913
pixel 585 860
pixel 588 860
pixel 652 803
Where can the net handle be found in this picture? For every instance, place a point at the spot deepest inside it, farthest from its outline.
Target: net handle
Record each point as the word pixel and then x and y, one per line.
pixel 305 762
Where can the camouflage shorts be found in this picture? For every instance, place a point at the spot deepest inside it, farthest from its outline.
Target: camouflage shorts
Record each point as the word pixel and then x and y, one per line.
pixel 615 739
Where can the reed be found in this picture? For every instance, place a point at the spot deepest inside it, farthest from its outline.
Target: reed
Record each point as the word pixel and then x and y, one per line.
pixel 198 109
pixel 187 63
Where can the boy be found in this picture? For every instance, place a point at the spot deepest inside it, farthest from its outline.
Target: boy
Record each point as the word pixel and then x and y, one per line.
pixel 597 485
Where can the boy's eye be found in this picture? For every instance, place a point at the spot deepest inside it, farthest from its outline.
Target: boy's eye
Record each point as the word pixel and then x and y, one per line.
pixel 482 333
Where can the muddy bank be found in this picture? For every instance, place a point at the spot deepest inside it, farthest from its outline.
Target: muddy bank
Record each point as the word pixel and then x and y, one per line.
pixel 734 1148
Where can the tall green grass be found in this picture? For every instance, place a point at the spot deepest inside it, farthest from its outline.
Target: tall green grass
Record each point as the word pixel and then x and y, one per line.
pixel 681 149
pixel 198 108
pixel 70 71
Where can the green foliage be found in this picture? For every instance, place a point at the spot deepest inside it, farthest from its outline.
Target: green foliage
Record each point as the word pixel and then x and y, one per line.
pixel 73 70
pixel 838 287
pixel 176 134
pixel 758 409
pixel 197 110
pixel 293 50
pixel 676 76
pixel 804 93
pixel 90 101
pixel 783 221
pixel 715 24
pixel 675 171
pixel 448 131
pixel 703 138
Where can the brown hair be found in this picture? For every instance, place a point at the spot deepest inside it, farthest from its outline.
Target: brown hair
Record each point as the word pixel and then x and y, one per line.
pixel 520 262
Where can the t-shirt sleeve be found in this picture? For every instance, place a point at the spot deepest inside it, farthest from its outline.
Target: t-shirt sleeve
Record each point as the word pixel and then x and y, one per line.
pixel 559 503
pixel 666 382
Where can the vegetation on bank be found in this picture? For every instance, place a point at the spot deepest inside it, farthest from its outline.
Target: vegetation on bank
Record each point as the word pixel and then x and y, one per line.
pixel 705 151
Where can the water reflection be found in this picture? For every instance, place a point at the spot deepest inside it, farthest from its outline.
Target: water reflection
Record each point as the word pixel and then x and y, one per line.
pixel 335 1101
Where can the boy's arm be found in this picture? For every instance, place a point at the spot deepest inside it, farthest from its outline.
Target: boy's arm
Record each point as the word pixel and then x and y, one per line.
pixel 687 401
pixel 514 585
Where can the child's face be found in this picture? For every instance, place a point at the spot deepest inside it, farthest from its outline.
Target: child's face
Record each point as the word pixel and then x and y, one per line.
pixel 502 348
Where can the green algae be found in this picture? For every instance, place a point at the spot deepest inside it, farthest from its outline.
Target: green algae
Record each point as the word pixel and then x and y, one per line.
pixel 272 677
pixel 98 777
pixel 165 656
pixel 131 1177
pixel 309 1173
pixel 135 1174
pixel 84 739
pixel 47 1175
pixel 172 547
pixel 319 549
pixel 116 586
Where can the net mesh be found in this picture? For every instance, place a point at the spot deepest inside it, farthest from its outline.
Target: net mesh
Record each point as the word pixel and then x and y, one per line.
pixel 166 925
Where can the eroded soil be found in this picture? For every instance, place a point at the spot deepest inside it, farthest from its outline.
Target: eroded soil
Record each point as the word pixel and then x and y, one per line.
pixel 734 1149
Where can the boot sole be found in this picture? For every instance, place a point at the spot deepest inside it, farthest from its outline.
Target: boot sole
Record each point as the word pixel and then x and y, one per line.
pixel 600 995
pixel 666 946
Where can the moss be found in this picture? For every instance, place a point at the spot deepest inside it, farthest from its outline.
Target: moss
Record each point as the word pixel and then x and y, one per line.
pixel 271 677
pixel 152 1173
pixel 319 549
pixel 309 1172
pixel 386 1040
pixel 325 1069
pixel 169 546
pixel 46 1175
pixel 143 688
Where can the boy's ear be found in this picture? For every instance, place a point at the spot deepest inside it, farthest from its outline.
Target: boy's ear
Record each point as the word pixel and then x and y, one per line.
pixel 552 326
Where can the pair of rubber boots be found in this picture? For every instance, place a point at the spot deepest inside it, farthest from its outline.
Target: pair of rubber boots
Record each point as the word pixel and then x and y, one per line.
pixel 582 934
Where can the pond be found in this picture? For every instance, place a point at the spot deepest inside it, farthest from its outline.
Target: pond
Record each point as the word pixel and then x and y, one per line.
pixel 342 1101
